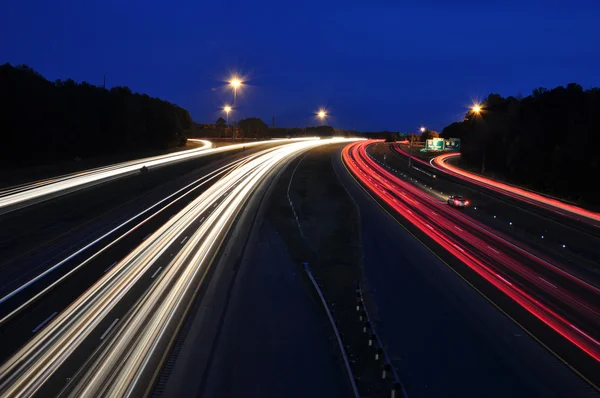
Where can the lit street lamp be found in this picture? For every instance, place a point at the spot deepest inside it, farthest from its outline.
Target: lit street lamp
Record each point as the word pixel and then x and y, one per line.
pixel 476 110
pixel 423 129
pixel 227 109
pixel 235 83
pixel 322 115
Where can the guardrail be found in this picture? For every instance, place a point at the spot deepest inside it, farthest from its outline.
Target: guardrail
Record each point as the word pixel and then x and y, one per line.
pixel 398 390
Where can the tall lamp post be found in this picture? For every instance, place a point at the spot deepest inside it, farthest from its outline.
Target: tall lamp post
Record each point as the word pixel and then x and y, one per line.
pixel 226 109
pixel 235 83
pixel 476 110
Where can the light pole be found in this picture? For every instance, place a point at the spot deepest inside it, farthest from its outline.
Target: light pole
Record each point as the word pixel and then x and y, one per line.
pixel 235 83
pixel 476 110
pixel 227 109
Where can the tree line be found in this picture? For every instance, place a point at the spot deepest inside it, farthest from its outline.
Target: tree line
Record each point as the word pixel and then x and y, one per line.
pixel 42 122
pixel 545 141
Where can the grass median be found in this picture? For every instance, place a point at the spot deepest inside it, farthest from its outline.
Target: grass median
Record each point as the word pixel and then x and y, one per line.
pixel 328 239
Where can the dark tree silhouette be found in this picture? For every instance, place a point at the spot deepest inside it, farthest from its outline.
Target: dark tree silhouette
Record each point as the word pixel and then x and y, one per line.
pixel 320 131
pixel 253 127
pixel 546 141
pixel 428 134
pixel 43 122
pixel 220 122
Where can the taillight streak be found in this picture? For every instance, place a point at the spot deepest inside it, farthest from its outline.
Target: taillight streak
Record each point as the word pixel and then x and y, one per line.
pixel 473 251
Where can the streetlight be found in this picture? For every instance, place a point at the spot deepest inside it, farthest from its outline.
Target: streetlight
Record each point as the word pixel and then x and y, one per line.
pixel 423 129
pixel 476 110
pixel 322 114
pixel 235 83
pixel 227 109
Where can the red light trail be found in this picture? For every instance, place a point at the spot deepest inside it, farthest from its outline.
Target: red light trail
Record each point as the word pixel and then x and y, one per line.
pixel 548 203
pixel 562 301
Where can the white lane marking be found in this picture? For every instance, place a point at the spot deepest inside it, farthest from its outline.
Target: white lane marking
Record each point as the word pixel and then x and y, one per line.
pixel 202 219
pixel 429 226
pixel 409 211
pixel 112 325
pixel 184 239
pixel 109 267
pixel 494 250
pixel 458 247
pixel 156 272
pixel 547 282
pixel 41 325
pixel 507 282
pixel 434 213
pixel 458 229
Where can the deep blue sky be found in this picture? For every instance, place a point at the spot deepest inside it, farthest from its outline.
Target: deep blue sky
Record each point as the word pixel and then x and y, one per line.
pixel 374 64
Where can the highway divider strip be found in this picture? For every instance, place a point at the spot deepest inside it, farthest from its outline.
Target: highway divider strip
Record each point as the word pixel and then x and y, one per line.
pixel 387 366
pixel 335 329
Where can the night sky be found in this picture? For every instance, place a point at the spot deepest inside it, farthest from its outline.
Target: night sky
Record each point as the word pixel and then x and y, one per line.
pixel 374 65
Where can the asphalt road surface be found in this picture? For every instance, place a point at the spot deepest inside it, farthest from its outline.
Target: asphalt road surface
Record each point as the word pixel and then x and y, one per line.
pixel 573 244
pixel 446 339
pixel 274 341
pixel 108 337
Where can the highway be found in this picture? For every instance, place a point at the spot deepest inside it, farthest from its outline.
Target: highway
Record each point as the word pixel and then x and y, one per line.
pixel 561 212
pixel 565 240
pixel 557 206
pixel 119 327
pixel 561 309
pixel 17 197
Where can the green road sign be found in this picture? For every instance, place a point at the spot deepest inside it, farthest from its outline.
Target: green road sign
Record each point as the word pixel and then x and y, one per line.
pixel 452 144
pixel 434 144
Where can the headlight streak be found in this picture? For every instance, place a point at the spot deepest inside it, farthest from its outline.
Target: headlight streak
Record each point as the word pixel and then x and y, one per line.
pixel 98 170
pixel 22 195
pixel 563 302
pixel 125 352
pixel 194 185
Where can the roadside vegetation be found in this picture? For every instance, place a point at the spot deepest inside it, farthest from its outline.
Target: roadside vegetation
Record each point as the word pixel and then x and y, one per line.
pixel 44 122
pixel 545 141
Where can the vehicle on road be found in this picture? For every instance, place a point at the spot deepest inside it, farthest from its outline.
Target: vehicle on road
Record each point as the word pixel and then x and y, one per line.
pixel 458 201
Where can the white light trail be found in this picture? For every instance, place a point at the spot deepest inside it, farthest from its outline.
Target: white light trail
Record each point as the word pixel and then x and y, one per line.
pixel 122 360
pixel 20 196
